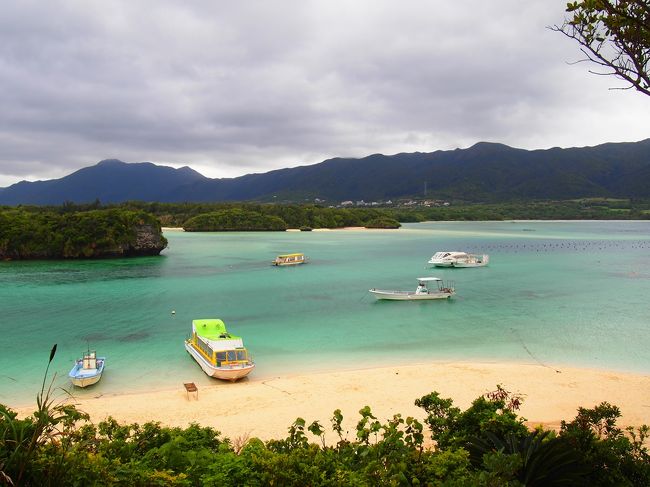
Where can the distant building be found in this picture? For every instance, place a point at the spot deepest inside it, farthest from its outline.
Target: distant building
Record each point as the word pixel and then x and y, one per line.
pixel 347 203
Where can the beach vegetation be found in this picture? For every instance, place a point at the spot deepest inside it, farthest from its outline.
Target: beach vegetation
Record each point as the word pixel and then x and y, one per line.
pixel 383 222
pixel 617 457
pixel 487 444
pixel 491 414
pixel 484 445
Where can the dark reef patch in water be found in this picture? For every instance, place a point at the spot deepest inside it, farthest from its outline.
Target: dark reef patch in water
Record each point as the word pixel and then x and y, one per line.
pixel 135 337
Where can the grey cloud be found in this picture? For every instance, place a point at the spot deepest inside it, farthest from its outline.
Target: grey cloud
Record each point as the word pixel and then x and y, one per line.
pixel 237 87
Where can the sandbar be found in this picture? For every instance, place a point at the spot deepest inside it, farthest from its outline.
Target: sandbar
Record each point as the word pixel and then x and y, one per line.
pixel 265 408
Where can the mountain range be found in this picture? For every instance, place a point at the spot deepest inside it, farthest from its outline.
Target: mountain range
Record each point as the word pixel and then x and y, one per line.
pixel 483 172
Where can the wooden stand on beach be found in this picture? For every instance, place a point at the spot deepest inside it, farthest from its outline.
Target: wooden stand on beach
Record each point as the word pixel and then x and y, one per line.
pixel 191 387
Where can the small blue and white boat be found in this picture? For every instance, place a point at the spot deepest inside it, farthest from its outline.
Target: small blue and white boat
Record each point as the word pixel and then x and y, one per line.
pixel 87 370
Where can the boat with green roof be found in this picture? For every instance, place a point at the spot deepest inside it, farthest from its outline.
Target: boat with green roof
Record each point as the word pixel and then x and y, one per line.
pixel 219 353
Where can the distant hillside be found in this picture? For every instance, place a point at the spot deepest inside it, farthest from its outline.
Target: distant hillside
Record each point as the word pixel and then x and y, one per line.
pixel 483 172
pixel 110 181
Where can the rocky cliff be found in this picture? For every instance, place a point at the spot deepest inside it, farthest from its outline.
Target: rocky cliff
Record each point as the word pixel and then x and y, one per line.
pixel 148 241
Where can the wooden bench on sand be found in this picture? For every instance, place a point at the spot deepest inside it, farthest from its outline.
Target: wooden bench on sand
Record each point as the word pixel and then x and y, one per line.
pixel 191 387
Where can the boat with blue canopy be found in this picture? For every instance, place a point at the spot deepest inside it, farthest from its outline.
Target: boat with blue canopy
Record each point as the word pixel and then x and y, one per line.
pixel 87 370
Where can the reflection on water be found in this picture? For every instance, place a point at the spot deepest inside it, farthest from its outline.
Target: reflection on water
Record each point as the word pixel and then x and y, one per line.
pixel 44 273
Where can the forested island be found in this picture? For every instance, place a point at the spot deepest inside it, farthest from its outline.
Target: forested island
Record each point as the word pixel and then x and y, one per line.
pixel 253 217
pixel 321 216
pixel 250 216
pixel 134 228
pixel 196 217
pixel 259 216
pixel 67 233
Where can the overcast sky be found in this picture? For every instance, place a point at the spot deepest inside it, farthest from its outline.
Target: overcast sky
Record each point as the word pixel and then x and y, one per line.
pixel 231 88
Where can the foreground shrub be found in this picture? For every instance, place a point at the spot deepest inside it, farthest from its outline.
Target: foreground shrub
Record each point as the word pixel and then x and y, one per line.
pixel 485 445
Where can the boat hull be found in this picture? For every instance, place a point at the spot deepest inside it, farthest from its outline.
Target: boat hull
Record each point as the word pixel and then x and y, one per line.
pixel 86 381
pixel 409 296
pixel 470 264
pixel 231 373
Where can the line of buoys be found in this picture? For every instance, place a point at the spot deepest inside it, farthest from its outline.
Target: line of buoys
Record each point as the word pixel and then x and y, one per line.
pixel 571 245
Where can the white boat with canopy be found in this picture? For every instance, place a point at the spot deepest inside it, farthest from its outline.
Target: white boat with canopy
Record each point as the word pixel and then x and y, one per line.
pixel 87 370
pixel 459 259
pixel 444 290
pixel 219 353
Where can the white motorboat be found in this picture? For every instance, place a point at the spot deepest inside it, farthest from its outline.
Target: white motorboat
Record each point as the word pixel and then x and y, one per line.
pixel 459 259
pixel 87 370
pixel 443 291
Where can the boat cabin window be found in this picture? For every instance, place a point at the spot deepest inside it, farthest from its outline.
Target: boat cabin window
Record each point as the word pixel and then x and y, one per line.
pixel 232 355
pixel 205 348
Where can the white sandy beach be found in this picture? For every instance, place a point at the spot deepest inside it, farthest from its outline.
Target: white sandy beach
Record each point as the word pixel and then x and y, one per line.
pixel 266 408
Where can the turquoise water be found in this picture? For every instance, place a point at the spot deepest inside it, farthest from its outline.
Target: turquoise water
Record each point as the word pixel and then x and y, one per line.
pixel 574 293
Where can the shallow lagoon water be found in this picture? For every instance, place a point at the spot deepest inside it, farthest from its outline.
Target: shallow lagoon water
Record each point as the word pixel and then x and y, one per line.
pixel 573 293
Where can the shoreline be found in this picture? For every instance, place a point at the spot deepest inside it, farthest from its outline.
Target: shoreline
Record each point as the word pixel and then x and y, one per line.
pixel 534 220
pixel 181 229
pixel 265 408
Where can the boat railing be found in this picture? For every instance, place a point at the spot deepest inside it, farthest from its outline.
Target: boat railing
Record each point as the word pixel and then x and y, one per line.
pixel 446 286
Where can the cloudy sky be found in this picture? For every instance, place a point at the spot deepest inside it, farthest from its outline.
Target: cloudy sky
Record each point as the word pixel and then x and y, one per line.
pixel 231 88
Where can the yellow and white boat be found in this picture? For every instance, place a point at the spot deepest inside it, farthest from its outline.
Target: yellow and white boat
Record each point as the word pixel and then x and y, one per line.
pixel 289 259
pixel 219 353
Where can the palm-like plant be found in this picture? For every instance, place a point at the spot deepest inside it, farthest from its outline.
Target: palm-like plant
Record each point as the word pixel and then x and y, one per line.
pixel 546 460
pixel 21 438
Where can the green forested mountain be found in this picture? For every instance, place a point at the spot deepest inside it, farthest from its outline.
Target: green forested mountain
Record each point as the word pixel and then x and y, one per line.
pixel 485 172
